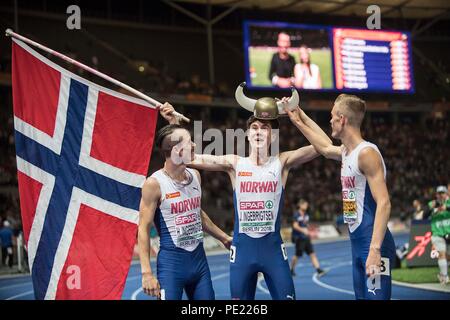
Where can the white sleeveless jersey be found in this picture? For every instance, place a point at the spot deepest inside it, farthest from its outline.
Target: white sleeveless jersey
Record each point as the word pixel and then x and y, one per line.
pixel 310 80
pixel 359 206
pixel 258 193
pixel 178 217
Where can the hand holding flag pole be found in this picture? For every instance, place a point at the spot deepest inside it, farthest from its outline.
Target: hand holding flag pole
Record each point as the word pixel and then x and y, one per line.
pixel 82 155
pixel 11 33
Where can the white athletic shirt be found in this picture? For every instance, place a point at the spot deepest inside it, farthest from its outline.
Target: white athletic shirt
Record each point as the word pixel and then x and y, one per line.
pixel 258 192
pixel 357 198
pixel 310 80
pixel 178 217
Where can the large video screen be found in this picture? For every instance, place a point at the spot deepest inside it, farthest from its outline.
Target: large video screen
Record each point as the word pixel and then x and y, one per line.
pixel 280 55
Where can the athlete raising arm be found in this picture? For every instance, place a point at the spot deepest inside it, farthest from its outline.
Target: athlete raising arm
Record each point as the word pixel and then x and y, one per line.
pixel 365 196
pixel 258 183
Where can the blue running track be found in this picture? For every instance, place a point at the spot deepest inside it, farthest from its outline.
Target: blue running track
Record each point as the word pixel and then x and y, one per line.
pixel 335 285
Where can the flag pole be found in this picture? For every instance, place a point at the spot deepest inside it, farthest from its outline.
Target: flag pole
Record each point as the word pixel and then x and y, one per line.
pixel 11 33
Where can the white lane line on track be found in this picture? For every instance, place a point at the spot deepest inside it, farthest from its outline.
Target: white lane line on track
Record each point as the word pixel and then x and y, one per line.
pixel 15 285
pixel 315 279
pixel 329 287
pixel 260 286
pixel 135 293
pixel 14 276
pixel 219 276
pixel 20 295
pixel 211 269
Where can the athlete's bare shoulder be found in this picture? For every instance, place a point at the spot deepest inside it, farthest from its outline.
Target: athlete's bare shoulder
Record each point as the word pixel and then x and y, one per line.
pixel 369 160
pixel 151 182
pixel 368 151
pixel 151 189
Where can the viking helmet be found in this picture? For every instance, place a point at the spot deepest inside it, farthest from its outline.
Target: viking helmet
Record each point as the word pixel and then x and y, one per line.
pixel 265 108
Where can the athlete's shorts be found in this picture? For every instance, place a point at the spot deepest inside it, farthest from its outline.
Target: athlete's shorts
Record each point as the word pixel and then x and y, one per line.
pixel 440 244
pixel 303 245
pixel 378 288
pixel 178 270
pixel 248 256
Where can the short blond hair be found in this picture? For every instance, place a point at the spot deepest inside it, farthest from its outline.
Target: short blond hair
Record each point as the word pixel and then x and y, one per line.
pixel 352 107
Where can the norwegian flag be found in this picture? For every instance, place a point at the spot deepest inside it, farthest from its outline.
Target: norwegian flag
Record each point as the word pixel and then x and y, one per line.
pixel 82 157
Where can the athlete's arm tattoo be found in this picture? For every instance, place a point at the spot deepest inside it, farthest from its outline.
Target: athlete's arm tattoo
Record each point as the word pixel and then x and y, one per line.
pixel 213 163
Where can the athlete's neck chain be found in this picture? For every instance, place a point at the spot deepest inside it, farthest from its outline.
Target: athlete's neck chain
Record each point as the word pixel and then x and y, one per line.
pixel 188 178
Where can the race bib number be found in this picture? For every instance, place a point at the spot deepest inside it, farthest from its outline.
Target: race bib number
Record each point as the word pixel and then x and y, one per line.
pixel 385 267
pixel 256 216
pixel 349 206
pixel 188 229
pixel 232 254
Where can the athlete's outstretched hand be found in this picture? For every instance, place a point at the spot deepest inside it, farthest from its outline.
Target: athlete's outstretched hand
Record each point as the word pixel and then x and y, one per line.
pixel 284 101
pixel 227 242
pixel 150 285
pixel 294 115
pixel 166 111
pixel 373 263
